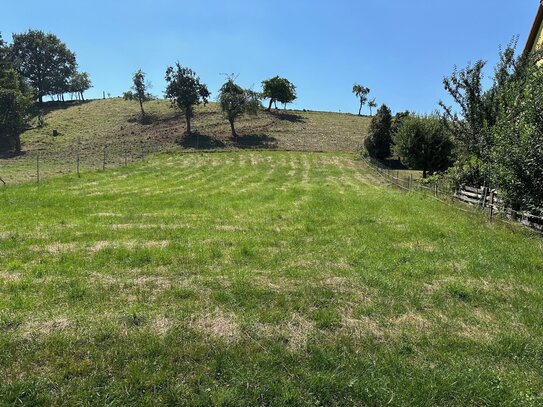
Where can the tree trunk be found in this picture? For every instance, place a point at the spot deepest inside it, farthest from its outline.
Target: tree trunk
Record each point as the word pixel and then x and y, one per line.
pixel 82 98
pixel 424 173
pixel 360 110
pixel 234 134
pixel 270 106
pixel 141 107
pixel 187 118
pixel 17 143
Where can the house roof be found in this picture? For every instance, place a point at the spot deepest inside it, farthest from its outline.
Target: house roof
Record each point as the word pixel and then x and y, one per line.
pixel 535 29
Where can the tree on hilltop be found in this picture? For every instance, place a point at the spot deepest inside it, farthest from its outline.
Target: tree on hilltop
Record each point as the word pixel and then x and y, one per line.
pixel 236 101
pixel 361 92
pixel 140 86
pixel 185 90
pixel 278 89
pixel 79 83
pixel 44 61
pixel 372 104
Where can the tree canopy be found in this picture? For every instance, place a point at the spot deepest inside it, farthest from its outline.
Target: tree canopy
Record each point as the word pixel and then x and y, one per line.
pixel 423 144
pixel 79 83
pixel 361 92
pixel 15 103
pixel 278 89
pixel 140 88
pixel 185 90
pixel 517 153
pixel 470 126
pixel 44 61
pixel 378 141
pixel 236 101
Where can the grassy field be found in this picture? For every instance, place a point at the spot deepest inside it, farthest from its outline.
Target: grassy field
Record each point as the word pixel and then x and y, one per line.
pixel 113 127
pixel 261 278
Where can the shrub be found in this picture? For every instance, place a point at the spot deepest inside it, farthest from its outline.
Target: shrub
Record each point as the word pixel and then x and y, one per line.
pixel 517 153
pixel 423 144
pixel 379 140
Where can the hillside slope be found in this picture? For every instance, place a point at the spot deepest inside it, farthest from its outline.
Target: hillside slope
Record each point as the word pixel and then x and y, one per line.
pixel 112 126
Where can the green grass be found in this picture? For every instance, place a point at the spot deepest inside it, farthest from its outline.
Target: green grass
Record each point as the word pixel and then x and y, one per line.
pixel 113 126
pixel 261 278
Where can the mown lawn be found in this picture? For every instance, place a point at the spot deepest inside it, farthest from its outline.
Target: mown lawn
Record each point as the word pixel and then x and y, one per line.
pixel 261 278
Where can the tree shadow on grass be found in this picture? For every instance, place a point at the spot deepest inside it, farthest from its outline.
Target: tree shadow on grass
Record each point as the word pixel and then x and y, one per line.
pixel 256 141
pixel 389 163
pixel 10 153
pixel 146 120
pixel 289 117
pixel 201 142
pixel 50 106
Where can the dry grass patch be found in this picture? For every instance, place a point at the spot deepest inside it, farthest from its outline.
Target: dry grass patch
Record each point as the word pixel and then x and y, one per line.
pixel 39 327
pixel 128 244
pixel 161 325
pixel 412 321
pixel 9 276
pixel 56 248
pixel 362 327
pixel 418 246
pixel 218 325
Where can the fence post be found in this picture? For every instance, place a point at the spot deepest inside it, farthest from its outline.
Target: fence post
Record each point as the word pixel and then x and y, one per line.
pixel 78 157
pixel 485 191
pixel 491 206
pixel 435 189
pixel 104 162
pixel 410 183
pixel 38 168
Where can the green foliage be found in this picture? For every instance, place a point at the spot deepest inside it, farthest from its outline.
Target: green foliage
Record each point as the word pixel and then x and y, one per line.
pixel 185 90
pixel 140 88
pixel 372 104
pixel 236 101
pixel 15 103
pixel 423 144
pixel 397 120
pixel 79 83
pixel 278 90
pixel 44 61
pixel 471 127
pixel 361 92
pixel 128 95
pixel 379 140
pixel 517 154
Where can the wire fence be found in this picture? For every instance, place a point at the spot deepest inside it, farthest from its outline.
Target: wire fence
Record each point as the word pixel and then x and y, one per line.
pixel 68 157
pixel 485 199
pixel 36 165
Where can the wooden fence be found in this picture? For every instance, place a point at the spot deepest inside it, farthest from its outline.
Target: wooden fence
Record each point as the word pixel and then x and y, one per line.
pixel 489 199
pixel 484 198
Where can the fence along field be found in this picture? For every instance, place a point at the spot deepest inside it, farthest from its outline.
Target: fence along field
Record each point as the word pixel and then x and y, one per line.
pixel 484 198
pixel 106 133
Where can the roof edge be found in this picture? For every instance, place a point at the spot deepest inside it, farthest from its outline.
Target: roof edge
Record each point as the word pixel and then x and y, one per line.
pixel 535 29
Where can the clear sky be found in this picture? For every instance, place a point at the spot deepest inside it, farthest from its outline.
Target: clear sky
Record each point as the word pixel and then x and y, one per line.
pixel 401 49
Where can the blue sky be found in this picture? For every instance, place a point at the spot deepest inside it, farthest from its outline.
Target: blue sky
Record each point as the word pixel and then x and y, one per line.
pixel 400 49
